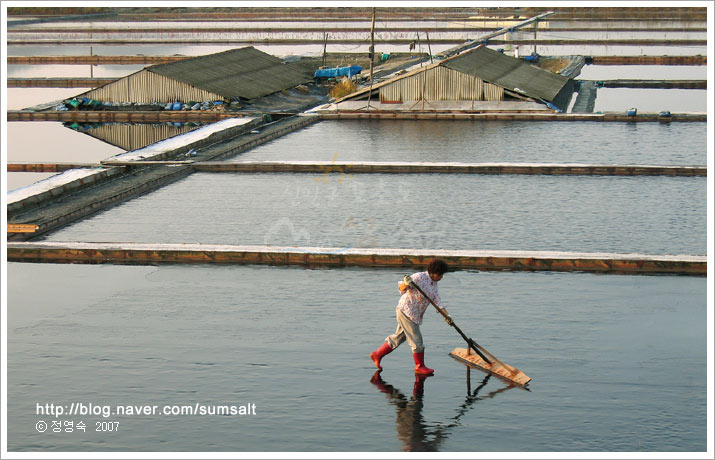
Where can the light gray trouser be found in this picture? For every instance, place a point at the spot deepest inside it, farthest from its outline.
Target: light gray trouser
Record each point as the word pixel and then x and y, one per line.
pixel 406 329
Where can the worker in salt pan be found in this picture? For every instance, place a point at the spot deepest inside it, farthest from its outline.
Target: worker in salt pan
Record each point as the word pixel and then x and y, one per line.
pixel 410 312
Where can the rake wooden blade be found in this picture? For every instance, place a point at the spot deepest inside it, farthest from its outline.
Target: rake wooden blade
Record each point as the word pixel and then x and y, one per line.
pixel 498 368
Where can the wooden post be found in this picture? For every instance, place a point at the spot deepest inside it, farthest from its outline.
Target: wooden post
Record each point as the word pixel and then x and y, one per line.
pixel 429 48
pixel 424 84
pixel 474 91
pixel 372 56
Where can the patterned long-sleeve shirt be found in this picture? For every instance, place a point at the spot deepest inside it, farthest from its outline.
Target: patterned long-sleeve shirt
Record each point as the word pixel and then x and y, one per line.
pixel 412 303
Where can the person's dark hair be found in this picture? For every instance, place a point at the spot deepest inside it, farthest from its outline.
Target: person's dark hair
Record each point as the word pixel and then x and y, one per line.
pixel 438 267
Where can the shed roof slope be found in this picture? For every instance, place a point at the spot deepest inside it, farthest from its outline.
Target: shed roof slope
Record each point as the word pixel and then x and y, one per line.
pixel 243 72
pixel 509 72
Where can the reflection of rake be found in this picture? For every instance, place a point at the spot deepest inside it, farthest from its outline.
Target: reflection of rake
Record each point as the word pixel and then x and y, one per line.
pixel 485 361
pixel 471 398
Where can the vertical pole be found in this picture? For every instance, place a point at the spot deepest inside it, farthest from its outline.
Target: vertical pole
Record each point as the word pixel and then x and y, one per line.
pixel 372 56
pixel 325 46
pixel 429 48
pixel 424 84
pixel 536 26
pixel 419 46
pixel 474 96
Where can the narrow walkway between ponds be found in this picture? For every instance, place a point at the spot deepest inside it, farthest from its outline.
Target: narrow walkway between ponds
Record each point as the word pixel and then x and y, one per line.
pixel 146 254
pixel 373 167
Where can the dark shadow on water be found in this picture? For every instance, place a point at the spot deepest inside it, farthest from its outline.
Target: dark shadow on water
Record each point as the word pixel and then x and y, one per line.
pixel 415 434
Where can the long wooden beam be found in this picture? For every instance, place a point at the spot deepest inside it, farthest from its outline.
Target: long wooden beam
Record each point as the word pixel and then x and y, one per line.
pixel 349 15
pixel 355 14
pixel 22 228
pixel 170 115
pixel 66 166
pixel 48 167
pixel 92 60
pixel 120 116
pixel 347 41
pixel 649 60
pixel 653 84
pixel 145 254
pixel 334 29
pixel 58 82
pixel 131 60
pixel 327 167
pixel 604 117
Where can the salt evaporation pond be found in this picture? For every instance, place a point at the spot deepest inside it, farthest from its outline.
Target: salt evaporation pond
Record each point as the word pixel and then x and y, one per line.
pixel 490 141
pixel 657 215
pixel 294 341
pixel 66 47
pixel 618 362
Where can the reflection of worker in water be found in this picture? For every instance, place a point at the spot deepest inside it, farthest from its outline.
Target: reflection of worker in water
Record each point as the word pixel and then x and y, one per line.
pixel 411 428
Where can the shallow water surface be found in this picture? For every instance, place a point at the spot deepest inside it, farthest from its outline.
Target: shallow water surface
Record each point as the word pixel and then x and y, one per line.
pixel 490 141
pixel 658 215
pixel 294 342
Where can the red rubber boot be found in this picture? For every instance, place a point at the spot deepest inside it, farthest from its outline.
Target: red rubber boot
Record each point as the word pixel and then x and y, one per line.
pixel 420 367
pixel 378 354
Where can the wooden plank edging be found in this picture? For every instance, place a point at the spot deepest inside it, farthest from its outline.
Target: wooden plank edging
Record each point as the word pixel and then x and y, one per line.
pixel 148 254
pixel 325 167
pixel 514 116
pixel 695 60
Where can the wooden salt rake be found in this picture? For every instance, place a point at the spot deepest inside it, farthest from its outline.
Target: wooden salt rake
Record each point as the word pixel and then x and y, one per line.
pixel 483 359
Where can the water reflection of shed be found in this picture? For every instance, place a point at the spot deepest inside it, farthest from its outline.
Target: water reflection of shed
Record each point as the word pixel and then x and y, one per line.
pixel 480 75
pixel 243 73
pixel 132 136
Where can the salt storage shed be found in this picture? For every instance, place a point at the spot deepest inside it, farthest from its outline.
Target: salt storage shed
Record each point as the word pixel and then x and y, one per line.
pixel 243 73
pixel 481 78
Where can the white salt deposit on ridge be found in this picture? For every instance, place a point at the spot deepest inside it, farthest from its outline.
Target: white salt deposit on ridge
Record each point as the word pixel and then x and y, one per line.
pixel 198 247
pixel 58 180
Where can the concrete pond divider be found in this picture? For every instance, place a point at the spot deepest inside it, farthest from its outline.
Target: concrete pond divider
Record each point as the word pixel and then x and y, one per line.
pixel 155 253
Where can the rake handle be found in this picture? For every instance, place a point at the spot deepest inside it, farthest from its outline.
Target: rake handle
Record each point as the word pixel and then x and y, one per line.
pixel 470 343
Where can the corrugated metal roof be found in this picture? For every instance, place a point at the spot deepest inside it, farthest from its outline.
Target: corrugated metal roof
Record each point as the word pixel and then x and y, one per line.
pixel 244 72
pixel 499 69
pixel 511 73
